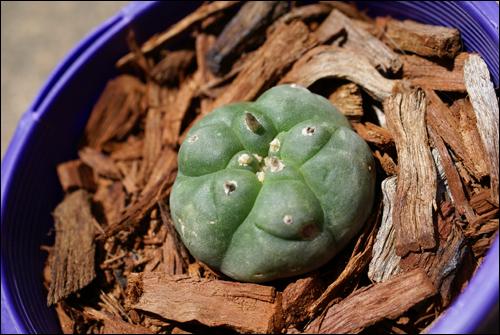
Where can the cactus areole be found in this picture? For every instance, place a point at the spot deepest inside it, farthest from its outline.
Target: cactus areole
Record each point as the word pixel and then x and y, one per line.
pixel 272 188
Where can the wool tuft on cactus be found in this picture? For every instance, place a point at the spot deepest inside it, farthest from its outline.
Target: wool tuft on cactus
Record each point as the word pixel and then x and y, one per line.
pixel 272 188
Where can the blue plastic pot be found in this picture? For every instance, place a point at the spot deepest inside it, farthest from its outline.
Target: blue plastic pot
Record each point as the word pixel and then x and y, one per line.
pixel 49 131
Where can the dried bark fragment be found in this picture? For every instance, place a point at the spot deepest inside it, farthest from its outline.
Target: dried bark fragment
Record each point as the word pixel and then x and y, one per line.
pixel 373 303
pixel 342 64
pixel 116 111
pixel 248 308
pixel 173 67
pixel 484 101
pixel 385 262
pixel 129 150
pixel 269 63
pixel 152 143
pixel 386 162
pixel 422 39
pixel 73 265
pixel 100 163
pixel 347 98
pixel 65 321
pixel 202 44
pixel 74 175
pixel 305 13
pixel 113 324
pixel 359 41
pixel 245 30
pixel 452 177
pixel 349 9
pixel 175 255
pixel 412 215
pixel 427 74
pixel 298 295
pixel 372 133
pixel 441 264
pixel 112 199
pixel 456 134
pixel 186 23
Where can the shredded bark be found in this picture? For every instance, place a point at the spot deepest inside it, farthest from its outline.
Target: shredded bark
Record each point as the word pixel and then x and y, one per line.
pixel 75 175
pixel 372 133
pixel 74 249
pixel 248 308
pixel 370 304
pixel 173 67
pixel 416 189
pixel 100 163
pixel 347 98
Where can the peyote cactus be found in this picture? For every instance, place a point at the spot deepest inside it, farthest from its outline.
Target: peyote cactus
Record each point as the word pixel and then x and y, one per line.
pixel 272 188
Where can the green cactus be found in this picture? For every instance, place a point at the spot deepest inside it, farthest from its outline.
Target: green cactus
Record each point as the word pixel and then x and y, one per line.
pixel 272 188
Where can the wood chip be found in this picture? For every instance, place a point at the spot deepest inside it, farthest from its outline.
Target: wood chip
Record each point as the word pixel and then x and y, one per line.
pixel 74 175
pixel 422 39
pixel 374 134
pixel 298 295
pixel 112 200
pixel 385 263
pixel 129 150
pixel 305 13
pixel 341 64
pixel 153 140
pixel 248 308
pixel 347 98
pixel 246 30
pixel 416 189
pixel 186 23
pixel 386 162
pixel 360 41
pixel 349 9
pixel 100 163
pixel 173 67
pixel 373 303
pixel 116 112
pixel 113 324
pixel 269 63
pixel 73 266
pixel 485 103
pixel 430 75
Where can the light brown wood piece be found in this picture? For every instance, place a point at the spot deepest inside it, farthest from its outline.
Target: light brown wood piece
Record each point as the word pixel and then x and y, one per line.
pixel 360 41
pixel 372 133
pixel 298 295
pixel 342 64
pixel 172 68
pixel 456 134
pixel 430 75
pixel 73 265
pixel 347 98
pixel 305 13
pixel 186 23
pixel 244 307
pixel 128 150
pixel 65 321
pixel 386 162
pixel 422 39
pixel 385 263
pixel 75 174
pixel 373 303
pixel 269 63
pixel 349 9
pixel 102 164
pixel 485 103
pixel 113 324
pixel 153 132
pixel 412 215
pixel 112 199
pixel 452 177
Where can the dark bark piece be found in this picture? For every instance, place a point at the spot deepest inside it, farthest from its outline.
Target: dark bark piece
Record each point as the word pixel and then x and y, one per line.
pixel 298 295
pixel 481 202
pixel 385 263
pixel 269 63
pixel 247 308
pixel 175 255
pixel 347 98
pixel 173 67
pixel 65 321
pixel 246 30
pixel 416 190
pixel 159 40
pixel 116 112
pixel 373 303
pixel 456 134
pixel 100 163
pixel 349 9
pixel 441 265
pixel 430 75
pixel 453 178
pixel 377 135
pixel 74 175
pixel 485 103
pixel 113 324
pixel 359 41
pixel 112 200
pixel 422 39
pixel 153 132
pixel 73 265
pixel 305 13
pixel 342 64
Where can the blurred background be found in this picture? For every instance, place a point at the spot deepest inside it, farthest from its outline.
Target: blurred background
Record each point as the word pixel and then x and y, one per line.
pixel 35 37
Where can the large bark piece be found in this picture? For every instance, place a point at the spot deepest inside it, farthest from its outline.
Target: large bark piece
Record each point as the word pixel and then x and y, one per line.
pixel 416 189
pixel 484 100
pixel 248 308
pixel 373 303
pixel 73 264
